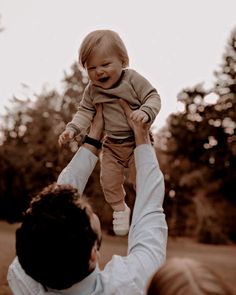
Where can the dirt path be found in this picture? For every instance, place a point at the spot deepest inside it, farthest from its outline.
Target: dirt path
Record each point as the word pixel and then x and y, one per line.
pixel 7 253
pixel 221 258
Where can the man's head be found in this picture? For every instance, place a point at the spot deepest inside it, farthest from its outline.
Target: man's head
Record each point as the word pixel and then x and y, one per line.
pixel 57 238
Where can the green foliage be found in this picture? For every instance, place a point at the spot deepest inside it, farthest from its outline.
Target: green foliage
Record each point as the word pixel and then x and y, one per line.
pixel 29 155
pixel 200 148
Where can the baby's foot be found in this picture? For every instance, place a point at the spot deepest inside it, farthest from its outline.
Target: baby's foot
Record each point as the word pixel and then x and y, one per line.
pixel 121 221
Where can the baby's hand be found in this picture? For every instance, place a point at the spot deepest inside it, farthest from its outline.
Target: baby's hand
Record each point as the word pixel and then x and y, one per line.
pixel 139 116
pixel 66 136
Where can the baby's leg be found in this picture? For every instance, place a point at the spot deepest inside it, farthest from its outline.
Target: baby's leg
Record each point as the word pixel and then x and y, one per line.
pixel 112 180
pixel 115 158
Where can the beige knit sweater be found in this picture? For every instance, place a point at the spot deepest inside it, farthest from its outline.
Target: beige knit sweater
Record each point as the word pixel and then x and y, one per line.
pixel 133 88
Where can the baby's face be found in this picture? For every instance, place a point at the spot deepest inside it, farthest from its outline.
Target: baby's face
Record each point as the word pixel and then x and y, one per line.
pixel 104 69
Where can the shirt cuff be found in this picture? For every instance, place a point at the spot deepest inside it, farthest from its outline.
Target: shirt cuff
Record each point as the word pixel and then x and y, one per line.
pixel 77 172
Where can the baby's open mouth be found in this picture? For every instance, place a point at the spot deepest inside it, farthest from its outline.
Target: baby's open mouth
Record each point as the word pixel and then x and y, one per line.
pixel 103 80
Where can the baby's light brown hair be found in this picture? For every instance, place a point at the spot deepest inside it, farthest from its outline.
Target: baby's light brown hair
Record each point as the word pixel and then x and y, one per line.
pixel 181 276
pixel 108 40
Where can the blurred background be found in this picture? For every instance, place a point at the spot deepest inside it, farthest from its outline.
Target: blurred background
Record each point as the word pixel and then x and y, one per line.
pixel 186 49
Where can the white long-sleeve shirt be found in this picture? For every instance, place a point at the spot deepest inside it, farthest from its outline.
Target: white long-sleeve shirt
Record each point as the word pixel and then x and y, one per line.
pixel 146 242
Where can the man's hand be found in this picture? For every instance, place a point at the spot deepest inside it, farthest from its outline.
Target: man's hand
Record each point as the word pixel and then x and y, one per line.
pixel 66 136
pixel 141 129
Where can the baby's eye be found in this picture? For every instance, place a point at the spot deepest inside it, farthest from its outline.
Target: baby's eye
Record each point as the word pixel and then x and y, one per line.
pixel 106 64
pixel 90 68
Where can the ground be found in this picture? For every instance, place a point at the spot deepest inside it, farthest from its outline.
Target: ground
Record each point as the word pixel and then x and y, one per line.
pixel 221 258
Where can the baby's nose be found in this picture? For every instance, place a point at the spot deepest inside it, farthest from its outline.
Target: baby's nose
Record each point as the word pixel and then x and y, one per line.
pixel 99 71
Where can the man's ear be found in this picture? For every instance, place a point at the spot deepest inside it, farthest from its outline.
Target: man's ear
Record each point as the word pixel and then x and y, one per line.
pixel 94 255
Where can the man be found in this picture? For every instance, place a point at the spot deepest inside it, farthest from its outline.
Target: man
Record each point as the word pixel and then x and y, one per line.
pixel 58 242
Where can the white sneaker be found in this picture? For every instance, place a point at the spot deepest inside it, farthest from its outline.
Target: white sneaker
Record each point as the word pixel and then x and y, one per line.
pixel 121 221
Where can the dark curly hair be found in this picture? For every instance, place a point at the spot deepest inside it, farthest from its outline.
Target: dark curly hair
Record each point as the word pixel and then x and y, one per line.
pixel 55 240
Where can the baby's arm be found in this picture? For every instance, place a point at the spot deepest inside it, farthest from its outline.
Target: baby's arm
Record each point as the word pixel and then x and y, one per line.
pixel 139 116
pixel 81 121
pixel 66 136
pixel 148 97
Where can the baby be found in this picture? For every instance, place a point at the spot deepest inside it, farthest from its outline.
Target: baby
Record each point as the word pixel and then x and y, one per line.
pixel 104 56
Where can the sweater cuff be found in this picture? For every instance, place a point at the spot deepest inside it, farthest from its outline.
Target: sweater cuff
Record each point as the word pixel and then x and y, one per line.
pixel 73 127
pixel 149 112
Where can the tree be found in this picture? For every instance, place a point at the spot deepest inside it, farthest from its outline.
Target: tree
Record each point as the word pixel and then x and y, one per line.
pixel 200 146
pixel 29 154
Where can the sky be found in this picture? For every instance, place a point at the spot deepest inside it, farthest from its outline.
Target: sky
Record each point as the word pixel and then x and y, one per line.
pixel 174 44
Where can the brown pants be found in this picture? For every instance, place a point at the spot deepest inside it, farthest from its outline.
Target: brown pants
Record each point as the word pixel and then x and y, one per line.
pixel 115 157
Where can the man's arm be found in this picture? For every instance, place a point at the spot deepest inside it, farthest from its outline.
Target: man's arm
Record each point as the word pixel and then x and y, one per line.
pixel 148 232
pixel 77 172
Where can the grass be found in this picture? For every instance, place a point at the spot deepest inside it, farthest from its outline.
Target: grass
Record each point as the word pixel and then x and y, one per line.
pixel 221 258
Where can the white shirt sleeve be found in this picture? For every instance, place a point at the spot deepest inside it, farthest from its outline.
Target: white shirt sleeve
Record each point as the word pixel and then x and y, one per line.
pixel 148 232
pixel 20 283
pixel 76 173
